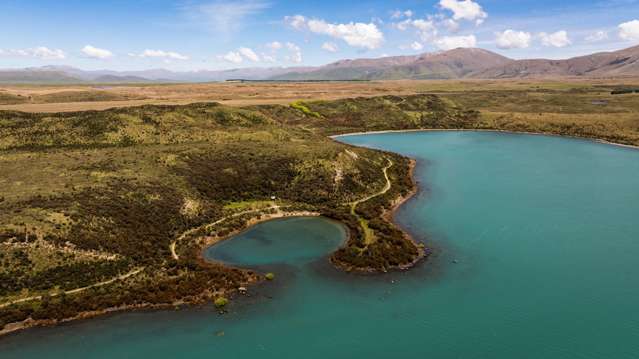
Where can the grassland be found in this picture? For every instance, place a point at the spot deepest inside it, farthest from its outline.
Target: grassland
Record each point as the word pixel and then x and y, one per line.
pixel 127 197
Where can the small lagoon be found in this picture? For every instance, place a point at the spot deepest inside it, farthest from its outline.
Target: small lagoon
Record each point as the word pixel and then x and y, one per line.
pixel 536 246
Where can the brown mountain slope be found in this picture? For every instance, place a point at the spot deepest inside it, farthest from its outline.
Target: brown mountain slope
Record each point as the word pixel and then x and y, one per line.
pixel 604 64
pixel 440 65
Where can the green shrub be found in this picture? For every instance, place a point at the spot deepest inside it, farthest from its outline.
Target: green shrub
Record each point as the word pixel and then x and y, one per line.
pixel 299 105
pixel 221 302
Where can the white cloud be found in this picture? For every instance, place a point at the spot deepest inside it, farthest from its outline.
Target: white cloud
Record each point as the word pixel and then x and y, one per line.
pixel 403 25
pixel 453 42
pixel 424 25
pixel 597 36
pixel 297 22
pixel 465 10
pixel 330 47
pixel 398 14
pixel 417 46
pixel 268 58
pixel 96 53
pixel 556 39
pixel 170 55
pixel 295 53
pixel 249 54
pixel 355 34
pixel 275 45
pixel 426 28
pixel 232 57
pixel 629 30
pixel 451 25
pixel 226 16
pixel 241 54
pixel 40 52
pixel 511 39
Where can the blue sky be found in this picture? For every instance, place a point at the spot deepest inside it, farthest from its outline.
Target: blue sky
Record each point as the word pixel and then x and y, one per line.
pixel 212 34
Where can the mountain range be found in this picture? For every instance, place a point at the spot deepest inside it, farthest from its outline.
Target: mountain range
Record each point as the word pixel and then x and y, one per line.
pixel 453 64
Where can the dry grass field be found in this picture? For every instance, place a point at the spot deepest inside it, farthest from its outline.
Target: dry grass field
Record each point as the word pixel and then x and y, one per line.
pixel 67 98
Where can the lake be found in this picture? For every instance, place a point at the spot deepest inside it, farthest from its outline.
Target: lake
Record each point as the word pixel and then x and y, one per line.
pixel 536 247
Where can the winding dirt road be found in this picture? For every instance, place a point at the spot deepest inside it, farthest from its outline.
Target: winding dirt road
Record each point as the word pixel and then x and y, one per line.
pixel 77 290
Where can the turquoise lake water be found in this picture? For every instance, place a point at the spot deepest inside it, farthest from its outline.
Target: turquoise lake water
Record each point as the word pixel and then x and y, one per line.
pixel 536 255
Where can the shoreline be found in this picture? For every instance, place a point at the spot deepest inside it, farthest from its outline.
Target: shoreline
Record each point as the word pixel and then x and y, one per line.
pixel 550 134
pixel 13 328
pixel 389 216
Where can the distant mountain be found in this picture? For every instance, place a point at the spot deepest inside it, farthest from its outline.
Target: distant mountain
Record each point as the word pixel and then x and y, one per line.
pixel 29 76
pixel 120 79
pixel 452 64
pixel 604 64
pixel 66 75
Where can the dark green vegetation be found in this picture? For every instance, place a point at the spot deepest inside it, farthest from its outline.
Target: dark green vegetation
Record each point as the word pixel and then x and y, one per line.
pixel 103 209
pixel 624 91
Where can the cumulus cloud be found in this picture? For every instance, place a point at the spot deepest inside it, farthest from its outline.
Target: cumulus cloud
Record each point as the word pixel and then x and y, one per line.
pixel 464 10
pixel 238 56
pixel 358 34
pixel 297 22
pixel 451 25
pixel 330 47
pixel 417 46
pixel 426 28
pixel 597 36
pixel 511 39
pixel 40 52
pixel 96 53
pixel 170 55
pixel 398 14
pixel 403 25
pixel 453 42
pixel 355 34
pixel 556 39
pixel 629 30
pixel 292 52
pixel 249 54
pixel 268 58
pixel 233 57
pixel 295 53
pixel 275 45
